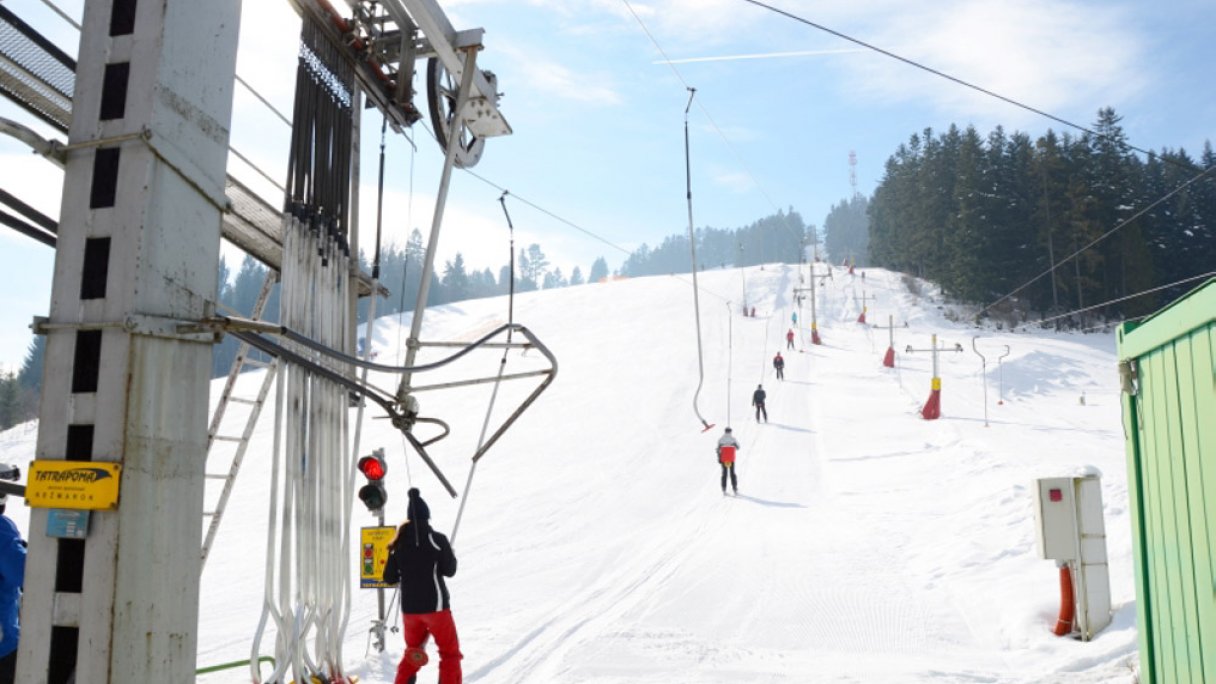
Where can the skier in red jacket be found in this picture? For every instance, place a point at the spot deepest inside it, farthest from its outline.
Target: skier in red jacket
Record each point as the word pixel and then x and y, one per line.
pixel 789 339
pixel 728 448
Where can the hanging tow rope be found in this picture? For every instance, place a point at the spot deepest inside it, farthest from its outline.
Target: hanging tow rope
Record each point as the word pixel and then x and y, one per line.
pixel 730 352
pixel 313 598
pixel 502 366
pixel 692 243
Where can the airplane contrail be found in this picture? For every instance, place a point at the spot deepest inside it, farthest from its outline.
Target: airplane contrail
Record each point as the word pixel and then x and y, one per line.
pixel 763 55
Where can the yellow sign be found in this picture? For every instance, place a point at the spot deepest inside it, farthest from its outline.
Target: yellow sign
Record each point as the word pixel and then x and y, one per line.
pixel 373 554
pixel 85 485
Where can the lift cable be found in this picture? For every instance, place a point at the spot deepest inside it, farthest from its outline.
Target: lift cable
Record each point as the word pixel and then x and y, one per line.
pixel 701 106
pixel 589 233
pixel 64 15
pixel 965 84
pixel 1100 238
pixel 1124 298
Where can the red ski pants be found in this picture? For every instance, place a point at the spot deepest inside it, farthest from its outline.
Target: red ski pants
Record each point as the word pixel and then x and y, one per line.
pixel 440 626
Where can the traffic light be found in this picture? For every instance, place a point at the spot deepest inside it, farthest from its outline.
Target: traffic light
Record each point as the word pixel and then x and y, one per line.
pixel 373 467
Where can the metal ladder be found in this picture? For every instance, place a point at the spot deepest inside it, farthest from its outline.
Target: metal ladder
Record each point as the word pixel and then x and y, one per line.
pixel 241 362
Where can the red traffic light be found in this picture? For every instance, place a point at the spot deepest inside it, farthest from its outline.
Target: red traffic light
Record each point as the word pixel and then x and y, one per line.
pixel 373 467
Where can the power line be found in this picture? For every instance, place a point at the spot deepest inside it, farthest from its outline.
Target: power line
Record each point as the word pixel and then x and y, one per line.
pixel 959 81
pixel 1100 238
pixel 1124 298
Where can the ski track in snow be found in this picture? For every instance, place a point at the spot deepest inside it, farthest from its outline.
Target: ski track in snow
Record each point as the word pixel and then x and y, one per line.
pixel 866 544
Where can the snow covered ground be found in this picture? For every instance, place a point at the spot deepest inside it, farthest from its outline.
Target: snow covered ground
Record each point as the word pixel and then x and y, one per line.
pixel 866 545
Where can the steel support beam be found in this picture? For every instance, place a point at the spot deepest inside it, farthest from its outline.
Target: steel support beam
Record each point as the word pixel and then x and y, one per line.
pixel 144 168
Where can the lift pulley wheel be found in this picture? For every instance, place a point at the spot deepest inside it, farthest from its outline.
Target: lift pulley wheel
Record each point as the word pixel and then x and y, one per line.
pixel 442 90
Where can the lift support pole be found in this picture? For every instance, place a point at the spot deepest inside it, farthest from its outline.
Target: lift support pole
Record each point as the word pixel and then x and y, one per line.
pixel 117 601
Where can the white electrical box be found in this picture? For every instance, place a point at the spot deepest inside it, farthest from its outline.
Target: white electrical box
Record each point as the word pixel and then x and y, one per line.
pixel 1055 516
pixel 1071 529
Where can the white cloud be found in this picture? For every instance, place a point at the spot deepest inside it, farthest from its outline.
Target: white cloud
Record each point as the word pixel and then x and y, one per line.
pixel 1056 55
pixel 1059 56
pixel 735 181
pixel 552 78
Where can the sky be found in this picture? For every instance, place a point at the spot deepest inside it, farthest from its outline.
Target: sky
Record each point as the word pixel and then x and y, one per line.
pixel 598 115
pixel 865 544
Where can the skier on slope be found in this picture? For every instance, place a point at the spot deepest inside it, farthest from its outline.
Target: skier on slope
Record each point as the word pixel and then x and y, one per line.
pixel 779 364
pixel 758 401
pixel 728 448
pixel 789 339
pixel 419 558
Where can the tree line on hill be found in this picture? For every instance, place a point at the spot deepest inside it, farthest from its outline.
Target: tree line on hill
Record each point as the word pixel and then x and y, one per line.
pixel 982 216
pixel 400 274
pixel 779 237
pixel 773 238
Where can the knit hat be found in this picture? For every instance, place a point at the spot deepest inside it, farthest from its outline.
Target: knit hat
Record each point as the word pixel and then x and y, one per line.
pixel 418 510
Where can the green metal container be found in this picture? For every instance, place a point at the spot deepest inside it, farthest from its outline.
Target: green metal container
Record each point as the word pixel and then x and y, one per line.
pixel 1168 368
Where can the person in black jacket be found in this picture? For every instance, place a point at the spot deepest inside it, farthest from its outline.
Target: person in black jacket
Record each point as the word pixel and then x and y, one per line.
pixel 758 401
pixel 419 558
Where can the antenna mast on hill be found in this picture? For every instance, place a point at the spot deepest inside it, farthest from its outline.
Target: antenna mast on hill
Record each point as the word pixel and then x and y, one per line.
pixel 853 171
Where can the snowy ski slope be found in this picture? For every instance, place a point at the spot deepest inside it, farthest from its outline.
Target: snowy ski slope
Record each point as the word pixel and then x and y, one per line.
pixel 867 545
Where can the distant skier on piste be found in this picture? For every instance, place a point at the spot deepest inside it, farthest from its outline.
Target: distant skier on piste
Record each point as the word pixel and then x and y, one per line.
pixel 779 365
pixel 758 401
pixel 728 448
pixel 789 339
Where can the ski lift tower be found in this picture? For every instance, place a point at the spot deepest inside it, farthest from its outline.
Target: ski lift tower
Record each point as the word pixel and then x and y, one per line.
pixel 463 100
pixel 111 588
pixel 815 339
pixel 112 596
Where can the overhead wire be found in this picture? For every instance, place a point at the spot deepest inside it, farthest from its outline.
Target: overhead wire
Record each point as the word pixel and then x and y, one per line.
pixel 64 15
pixel 1117 300
pixel 704 110
pixel 959 81
pixel 76 25
pixel 1100 238
pixel 561 219
pixel 1029 108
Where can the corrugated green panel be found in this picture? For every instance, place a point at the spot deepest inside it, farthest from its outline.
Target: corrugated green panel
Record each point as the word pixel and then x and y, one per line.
pixel 1194 360
pixel 1171 449
pixel 1153 535
pixel 1155 540
pixel 1164 543
pixel 1187 640
pixel 1145 600
pixel 1196 310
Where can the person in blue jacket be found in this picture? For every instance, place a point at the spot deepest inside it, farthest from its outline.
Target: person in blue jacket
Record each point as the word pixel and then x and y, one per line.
pixel 12 577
